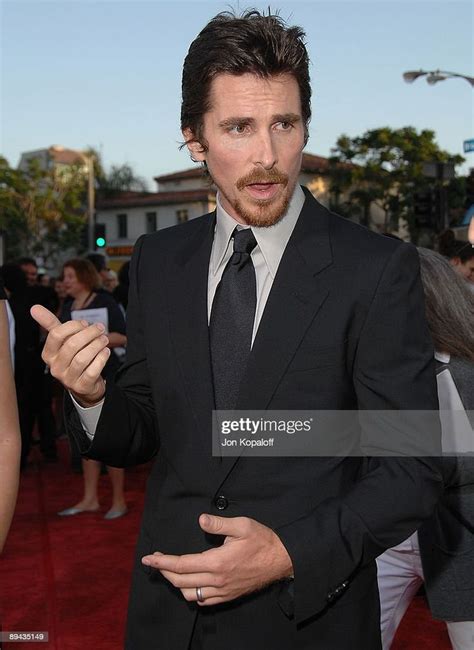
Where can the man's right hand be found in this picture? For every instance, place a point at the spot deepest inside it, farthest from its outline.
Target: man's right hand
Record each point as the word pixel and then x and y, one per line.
pixel 76 353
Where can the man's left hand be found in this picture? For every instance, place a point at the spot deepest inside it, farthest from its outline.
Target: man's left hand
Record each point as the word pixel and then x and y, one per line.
pixel 251 557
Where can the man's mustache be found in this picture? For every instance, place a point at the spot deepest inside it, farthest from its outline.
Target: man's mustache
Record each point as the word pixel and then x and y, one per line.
pixel 262 176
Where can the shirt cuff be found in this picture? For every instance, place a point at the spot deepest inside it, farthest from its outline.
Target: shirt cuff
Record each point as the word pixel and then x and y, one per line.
pixel 89 416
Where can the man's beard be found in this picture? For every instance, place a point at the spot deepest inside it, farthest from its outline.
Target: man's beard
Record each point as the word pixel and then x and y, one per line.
pixel 264 212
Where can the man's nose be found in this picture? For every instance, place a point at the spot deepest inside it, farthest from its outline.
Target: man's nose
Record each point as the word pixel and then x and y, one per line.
pixel 265 151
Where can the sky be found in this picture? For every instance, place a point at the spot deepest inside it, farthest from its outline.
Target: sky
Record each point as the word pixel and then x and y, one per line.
pixel 107 74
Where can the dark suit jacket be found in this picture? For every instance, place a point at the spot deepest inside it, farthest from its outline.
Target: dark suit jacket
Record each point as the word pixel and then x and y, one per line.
pixel 343 328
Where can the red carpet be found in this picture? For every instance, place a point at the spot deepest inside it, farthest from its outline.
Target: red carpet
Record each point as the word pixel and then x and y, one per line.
pixel 70 576
pixel 418 631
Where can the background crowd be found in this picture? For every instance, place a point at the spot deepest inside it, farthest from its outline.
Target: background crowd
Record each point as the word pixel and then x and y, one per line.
pixel 83 284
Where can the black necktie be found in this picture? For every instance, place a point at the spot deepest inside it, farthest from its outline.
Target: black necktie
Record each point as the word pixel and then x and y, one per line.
pixel 232 318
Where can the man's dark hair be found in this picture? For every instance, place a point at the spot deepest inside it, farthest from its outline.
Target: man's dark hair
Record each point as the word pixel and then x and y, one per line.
pixel 229 44
pixel 13 278
pixel 98 260
pixel 451 247
pixel 124 274
pixel 27 260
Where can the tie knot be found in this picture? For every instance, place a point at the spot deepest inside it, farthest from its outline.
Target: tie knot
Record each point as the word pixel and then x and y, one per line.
pixel 244 241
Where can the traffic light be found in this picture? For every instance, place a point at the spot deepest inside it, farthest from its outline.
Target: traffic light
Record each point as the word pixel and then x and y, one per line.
pixel 99 236
pixel 424 208
pixel 84 238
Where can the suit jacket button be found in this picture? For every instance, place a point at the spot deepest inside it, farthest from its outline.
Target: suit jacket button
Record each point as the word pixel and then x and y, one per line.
pixel 221 502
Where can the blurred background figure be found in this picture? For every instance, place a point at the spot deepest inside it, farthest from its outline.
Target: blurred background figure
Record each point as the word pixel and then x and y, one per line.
pixel 100 264
pixel 30 269
pixel 10 441
pixel 460 255
pixel 39 283
pixel 10 320
pixel 40 291
pixel 58 390
pixel 61 293
pixel 44 280
pixel 33 381
pixel 109 280
pixel 81 282
pixel 441 553
pixel 121 290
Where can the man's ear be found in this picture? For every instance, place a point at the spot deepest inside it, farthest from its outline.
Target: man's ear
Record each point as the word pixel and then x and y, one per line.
pixel 455 261
pixel 194 147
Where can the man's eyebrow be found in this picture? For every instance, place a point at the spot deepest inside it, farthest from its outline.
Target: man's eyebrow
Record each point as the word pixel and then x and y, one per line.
pixel 286 117
pixel 278 117
pixel 236 121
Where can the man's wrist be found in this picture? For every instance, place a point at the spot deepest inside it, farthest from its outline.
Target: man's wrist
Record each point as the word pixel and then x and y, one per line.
pixel 88 402
pixel 287 570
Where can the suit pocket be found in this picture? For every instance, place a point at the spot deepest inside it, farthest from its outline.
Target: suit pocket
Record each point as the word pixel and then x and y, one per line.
pixel 309 357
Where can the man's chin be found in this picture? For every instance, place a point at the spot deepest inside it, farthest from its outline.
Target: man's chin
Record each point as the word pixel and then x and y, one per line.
pixel 262 213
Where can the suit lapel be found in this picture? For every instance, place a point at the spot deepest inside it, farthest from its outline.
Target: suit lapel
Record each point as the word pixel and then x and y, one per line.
pixel 187 297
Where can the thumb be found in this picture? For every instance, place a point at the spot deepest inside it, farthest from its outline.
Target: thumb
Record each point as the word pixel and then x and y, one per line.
pixel 44 317
pixel 219 525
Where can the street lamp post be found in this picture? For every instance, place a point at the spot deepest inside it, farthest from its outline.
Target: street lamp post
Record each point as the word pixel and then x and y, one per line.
pixel 89 162
pixel 90 202
pixel 433 76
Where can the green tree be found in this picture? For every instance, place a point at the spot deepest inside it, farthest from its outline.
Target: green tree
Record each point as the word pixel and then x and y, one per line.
pixel 120 178
pixel 42 212
pixel 384 167
pixel 13 222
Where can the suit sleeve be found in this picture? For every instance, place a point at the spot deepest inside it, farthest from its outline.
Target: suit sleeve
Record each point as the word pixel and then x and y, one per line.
pixel 127 430
pixel 394 369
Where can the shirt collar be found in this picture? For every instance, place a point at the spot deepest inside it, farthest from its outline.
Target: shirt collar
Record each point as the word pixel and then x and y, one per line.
pixel 271 240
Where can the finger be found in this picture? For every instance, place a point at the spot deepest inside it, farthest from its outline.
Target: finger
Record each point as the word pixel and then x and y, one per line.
pixel 94 369
pixel 192 563
pixel 214 601
pixel 192 580
pixel 44 317
pixel 208 593
pixel 74 343
pixel 229 526
pixel 84 358
pixel 57 335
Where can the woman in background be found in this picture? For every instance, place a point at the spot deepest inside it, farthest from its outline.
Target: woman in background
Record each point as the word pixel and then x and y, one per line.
pixel 10 442
pixel 81 282
pixel 441 552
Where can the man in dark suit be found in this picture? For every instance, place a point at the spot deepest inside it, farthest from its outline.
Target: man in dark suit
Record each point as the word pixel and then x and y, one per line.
pixel 271 302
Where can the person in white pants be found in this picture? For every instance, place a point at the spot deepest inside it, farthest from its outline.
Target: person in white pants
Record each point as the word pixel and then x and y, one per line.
pixel 441 553
pixel 400 575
